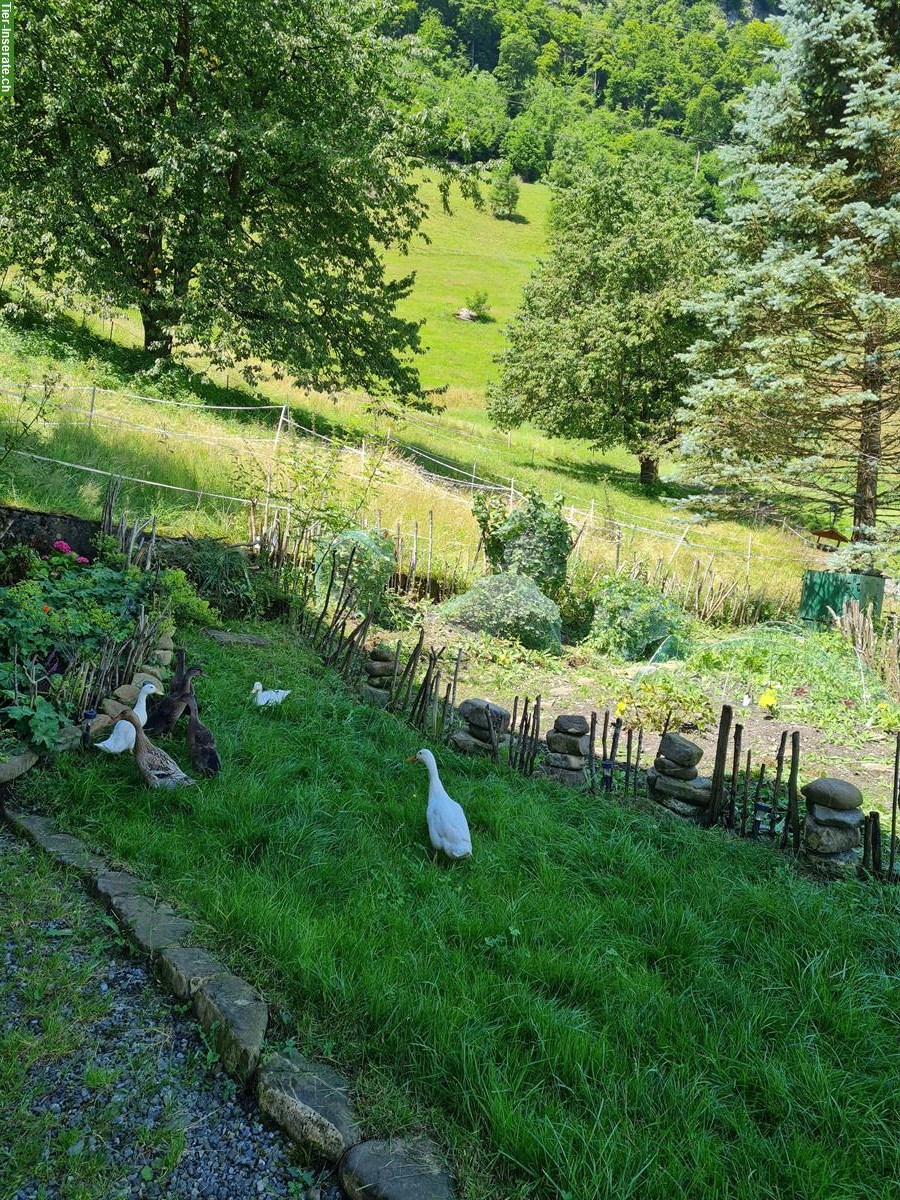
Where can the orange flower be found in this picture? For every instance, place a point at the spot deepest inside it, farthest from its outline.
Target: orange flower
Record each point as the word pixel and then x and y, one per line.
pixel 46 607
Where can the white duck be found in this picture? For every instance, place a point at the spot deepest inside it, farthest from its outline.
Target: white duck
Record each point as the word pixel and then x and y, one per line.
pixel 265 699
pixel 447 824
pixel 122 736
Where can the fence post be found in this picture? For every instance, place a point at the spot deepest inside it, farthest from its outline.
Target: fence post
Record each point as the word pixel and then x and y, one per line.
pixel 91 413
pixel 282 416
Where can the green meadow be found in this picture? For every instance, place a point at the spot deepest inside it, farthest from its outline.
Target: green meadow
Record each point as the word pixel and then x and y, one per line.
pixel 457 254
pixel 601 1002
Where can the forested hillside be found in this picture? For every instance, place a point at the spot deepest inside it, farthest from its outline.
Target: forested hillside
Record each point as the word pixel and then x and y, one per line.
pixel 549 86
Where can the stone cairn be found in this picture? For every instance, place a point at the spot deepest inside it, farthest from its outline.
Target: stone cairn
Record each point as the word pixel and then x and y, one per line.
pixel 568 746
pixel 480 716
pixel 674 780
pixel 379 669
pixel 832 832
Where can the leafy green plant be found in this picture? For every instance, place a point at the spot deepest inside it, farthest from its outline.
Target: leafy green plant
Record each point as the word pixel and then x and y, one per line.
pixel 633 621
pixel 815 676
pixel 508 606
pixel 478 303
pixel 534 539
pixel 650 701
pixel 38 723
pixel 219 572
pixel 178 598
pixel 371 567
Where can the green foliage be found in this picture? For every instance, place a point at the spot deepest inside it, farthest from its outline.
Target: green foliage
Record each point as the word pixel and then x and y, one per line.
pixel 373 563
pixel 244 194
pixel 594 350
pixel 649 700
pixel 478 303
pixel 59 618
pixel 526 147
pixel 219 572
pixel 469 110
pixel 16 564
pixel 533 539
pixel 508 606
pixel 798 376
pixel 177 598
pixel 504 195
pixel 38 723
pixel 816 677
pixel 632 620
pixel 63 603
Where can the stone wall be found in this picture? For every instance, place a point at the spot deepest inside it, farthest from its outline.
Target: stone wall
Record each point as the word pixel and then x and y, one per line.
pixel 41 530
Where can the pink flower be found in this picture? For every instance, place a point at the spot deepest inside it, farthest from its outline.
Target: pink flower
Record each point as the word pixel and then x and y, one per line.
pixel 82 559
pixel 63 547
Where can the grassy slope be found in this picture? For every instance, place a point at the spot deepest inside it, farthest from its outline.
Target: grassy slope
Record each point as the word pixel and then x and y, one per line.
pixel 469 251
pixel 598 1004
pixel 460 436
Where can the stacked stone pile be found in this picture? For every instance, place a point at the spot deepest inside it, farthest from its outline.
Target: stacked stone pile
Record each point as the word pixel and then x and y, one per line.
pixel 832 832
pixel 125 696
pixel 479 716
pixel 379 670
pixel 568 746
pixel 675 781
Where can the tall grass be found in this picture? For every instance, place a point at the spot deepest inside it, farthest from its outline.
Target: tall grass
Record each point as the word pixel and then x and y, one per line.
pixel 598 1004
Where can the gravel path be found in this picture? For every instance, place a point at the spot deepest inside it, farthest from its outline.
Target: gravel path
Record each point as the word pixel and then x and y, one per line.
pixel 106 1087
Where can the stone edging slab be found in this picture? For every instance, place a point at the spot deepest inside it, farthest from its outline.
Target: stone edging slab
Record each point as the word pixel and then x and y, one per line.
pixel 307 1100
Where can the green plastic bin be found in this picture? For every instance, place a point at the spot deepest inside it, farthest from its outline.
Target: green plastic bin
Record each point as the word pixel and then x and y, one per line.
pixel 824 590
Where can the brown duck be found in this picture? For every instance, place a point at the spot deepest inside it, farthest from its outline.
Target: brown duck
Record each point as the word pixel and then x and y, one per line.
pixel 156 767
pixel 166 714
pixel 201 742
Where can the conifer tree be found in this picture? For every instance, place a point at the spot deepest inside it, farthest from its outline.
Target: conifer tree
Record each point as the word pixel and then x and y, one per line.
pixel 799 375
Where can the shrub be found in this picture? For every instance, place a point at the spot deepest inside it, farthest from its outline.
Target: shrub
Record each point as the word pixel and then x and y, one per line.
pixel 533 540
pixel 647 703
pixel 371 569
pixel 478 303
pixel 632 620
pixel 177 599
pixel 508 606
pixel 218 572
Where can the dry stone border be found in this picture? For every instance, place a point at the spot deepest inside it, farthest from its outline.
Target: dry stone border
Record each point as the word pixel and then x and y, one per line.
pixel 674 780
pixel 568 746
pixel 832 831
pixel 307 1100
pixel 481 716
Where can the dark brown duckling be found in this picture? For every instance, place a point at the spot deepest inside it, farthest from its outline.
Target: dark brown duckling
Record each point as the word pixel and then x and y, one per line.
pixel 201 743
pixel 165 715
pixel 177 681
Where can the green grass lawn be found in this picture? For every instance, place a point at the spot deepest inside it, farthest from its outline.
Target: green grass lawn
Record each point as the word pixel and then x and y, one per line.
pixel 469 251
pixel 600 1003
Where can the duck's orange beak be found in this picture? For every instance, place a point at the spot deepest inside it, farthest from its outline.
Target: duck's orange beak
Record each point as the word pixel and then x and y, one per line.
pixel 412 758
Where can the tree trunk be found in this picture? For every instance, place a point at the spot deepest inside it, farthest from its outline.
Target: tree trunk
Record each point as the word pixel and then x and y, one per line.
pixel 649 470
pixel 157 334
pixel 865 500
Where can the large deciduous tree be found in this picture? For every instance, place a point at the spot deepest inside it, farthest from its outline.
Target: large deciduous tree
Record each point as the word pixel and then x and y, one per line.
pixel 799 386
pixel 232 172
pixel 594 351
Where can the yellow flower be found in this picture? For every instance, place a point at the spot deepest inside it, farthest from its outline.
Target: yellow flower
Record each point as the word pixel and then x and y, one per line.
pixel 620 707
pixel 769 698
